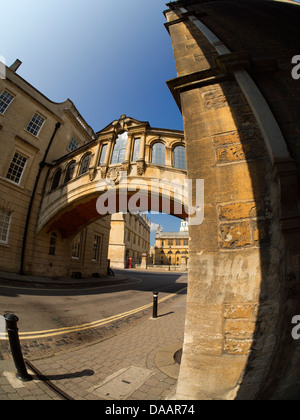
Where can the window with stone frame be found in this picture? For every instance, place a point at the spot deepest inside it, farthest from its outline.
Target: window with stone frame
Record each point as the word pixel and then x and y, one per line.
pixel 85 164
pixel 158 154
pixel 120 149
pixel 35 125
pixel 5 100
pixel 16 168
pixel 74 145
pixel 5 221
pixel 70 172
pixel 96 248
pixel 180 157
pixel 103 154
pixel 52 246
pixel 136 150
pixel 77 245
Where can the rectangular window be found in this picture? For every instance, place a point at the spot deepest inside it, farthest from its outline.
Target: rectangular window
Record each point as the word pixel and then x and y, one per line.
pixel 96 248
pixel 120 149
pixel 5 220
pixel 136 150
pixel 103 154
pixel 74 145
pixel 35 125
pixel 16 168
pixel 76 249
pixel 52 247
pixel 5 100
pixel 178 243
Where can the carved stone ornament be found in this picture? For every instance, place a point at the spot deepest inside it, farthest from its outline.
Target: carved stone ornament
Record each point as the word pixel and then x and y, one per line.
pixel 93 173
pixel 141 167
pixel 125 167
pixel 113 174
pixel 103 172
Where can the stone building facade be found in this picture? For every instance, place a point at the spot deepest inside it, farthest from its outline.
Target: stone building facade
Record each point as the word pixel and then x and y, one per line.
pixel 129 238
pixel 172 248
pixel 34 132
pixel 51 166
pixel 241 112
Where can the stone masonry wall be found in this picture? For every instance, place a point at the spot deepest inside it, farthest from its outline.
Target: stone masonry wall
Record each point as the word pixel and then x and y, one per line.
pixel 244 258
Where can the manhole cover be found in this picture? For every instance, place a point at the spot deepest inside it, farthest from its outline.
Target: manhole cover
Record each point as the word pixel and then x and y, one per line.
pixel 122 384
pixel 178 356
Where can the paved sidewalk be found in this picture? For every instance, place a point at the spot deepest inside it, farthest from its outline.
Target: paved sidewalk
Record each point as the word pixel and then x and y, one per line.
pixel 135 364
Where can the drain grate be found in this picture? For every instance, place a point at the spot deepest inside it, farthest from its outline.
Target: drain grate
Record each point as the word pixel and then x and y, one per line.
pixel 178 356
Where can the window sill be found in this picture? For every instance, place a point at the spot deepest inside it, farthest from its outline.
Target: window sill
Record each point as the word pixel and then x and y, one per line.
pixel 3 245
pixel 12 183
pixel 32 135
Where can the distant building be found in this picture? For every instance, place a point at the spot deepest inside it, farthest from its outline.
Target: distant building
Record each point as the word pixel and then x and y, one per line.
pixel 172 247
pixel 129 238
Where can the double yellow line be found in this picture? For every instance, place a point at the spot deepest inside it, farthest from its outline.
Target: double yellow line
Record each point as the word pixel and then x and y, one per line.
pixel 61 331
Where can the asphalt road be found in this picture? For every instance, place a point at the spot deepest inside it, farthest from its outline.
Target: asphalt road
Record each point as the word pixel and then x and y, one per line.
pixel 41 310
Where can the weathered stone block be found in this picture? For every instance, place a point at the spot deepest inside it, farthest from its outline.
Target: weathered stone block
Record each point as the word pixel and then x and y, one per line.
pixel 239 329
pixel 215 99
pixel 226 138
pixel 243 311
pixel 237 347
pixel 247 151
pixel 238 211
pixel 236 236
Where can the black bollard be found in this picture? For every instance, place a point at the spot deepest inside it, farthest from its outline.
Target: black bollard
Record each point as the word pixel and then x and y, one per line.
pixel 155 304
pixel 14 341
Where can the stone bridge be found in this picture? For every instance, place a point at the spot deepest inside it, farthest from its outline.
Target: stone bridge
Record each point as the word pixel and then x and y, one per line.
pixel 131 165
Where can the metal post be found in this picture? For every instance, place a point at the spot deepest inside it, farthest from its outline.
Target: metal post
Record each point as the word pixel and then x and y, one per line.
pixel 14 341
pixel 155 304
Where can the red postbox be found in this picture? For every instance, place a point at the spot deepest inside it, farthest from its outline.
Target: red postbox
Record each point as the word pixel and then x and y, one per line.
pixel 130 263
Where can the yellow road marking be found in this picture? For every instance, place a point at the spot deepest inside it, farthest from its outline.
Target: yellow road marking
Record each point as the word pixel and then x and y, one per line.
pixel 52 333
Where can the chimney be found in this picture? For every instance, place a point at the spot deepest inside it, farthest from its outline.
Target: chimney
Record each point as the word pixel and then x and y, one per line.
pixel 14 67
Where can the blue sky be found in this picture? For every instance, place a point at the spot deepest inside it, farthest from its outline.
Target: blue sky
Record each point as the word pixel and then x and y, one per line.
pixel 109 57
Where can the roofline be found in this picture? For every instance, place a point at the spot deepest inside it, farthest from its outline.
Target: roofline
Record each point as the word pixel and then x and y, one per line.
pixel 67 104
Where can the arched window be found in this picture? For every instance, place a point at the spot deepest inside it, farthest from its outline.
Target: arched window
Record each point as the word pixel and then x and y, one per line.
pixel 159 154
pixel 180 157
pixel 56 179
pixel 85 164
pixel 120 149
pixel 70 172
pixel 52 247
